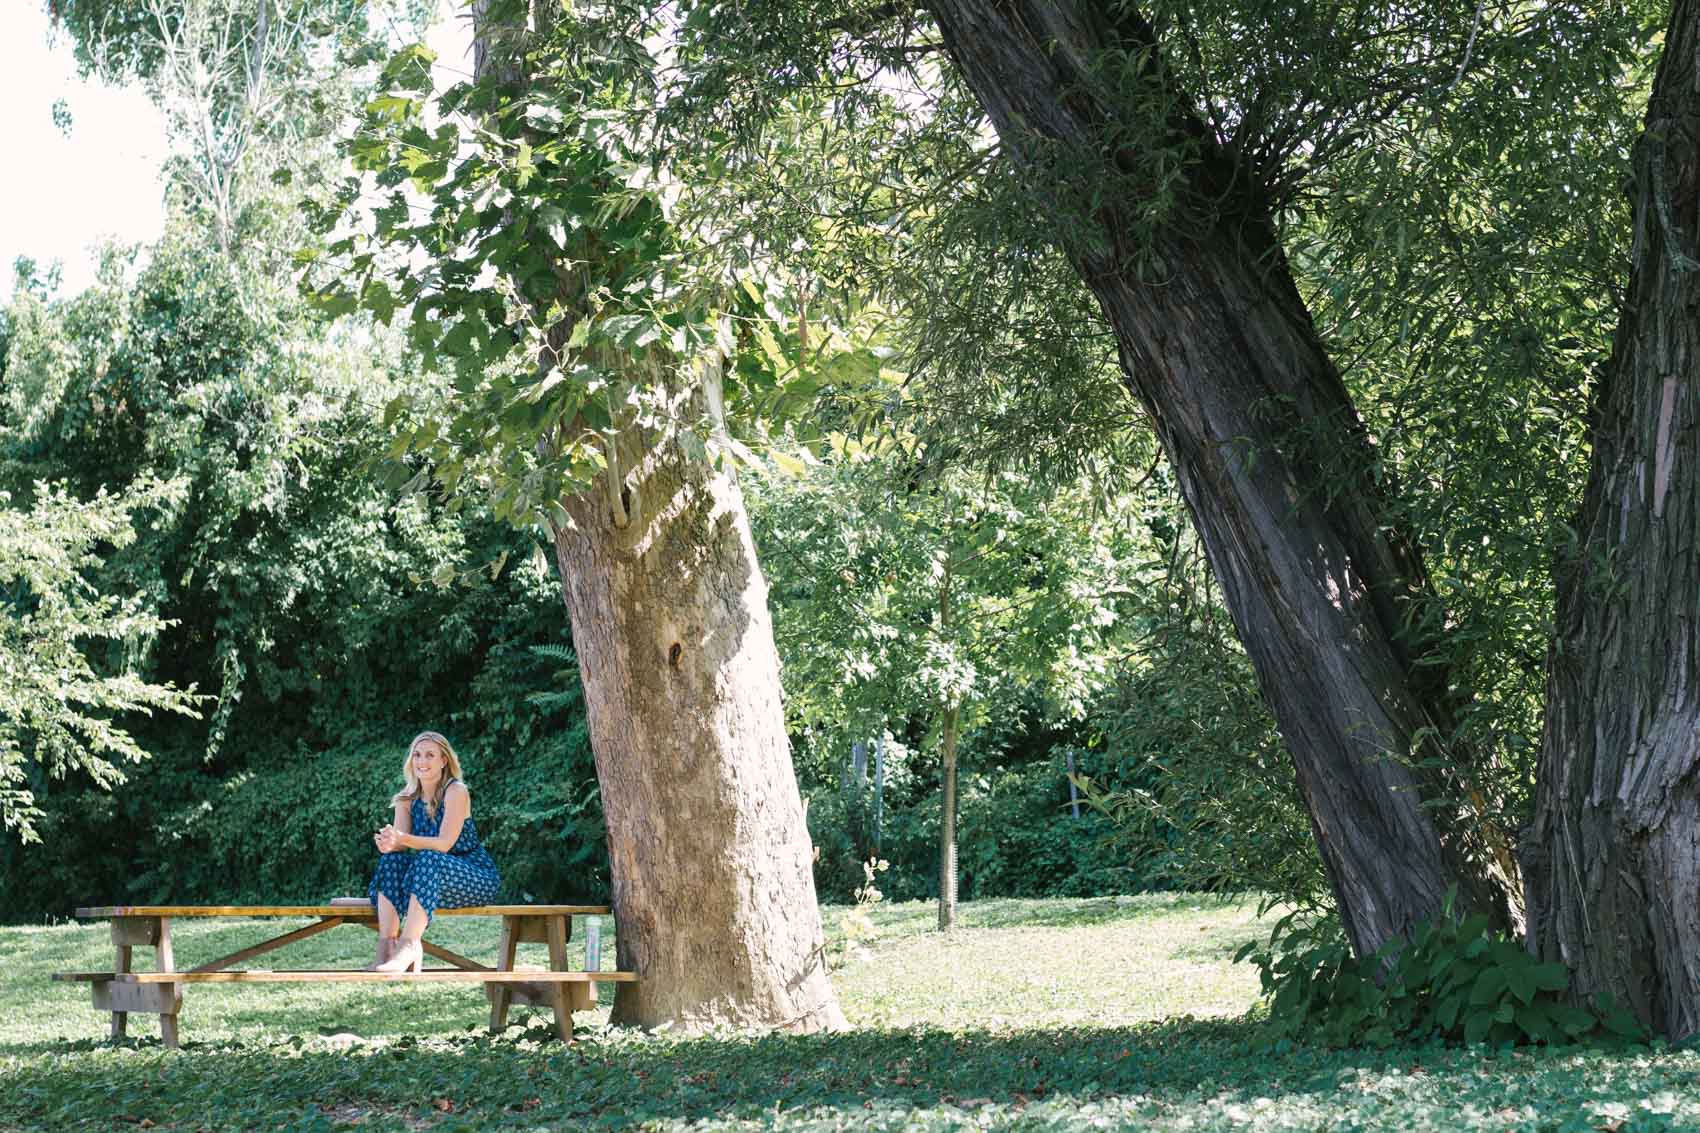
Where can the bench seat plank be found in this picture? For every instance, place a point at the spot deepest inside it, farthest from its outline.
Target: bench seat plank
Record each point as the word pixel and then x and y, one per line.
pixel 313 975
pixel 352 912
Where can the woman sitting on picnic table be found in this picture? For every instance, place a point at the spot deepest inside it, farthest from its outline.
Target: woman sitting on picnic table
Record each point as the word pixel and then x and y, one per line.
pixel 448 868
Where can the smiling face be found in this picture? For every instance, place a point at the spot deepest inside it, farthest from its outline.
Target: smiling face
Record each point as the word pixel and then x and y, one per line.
pixel 430 760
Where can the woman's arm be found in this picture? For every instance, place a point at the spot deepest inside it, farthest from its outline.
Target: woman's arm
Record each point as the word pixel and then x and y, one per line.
pixel 389 839
pixel 457 804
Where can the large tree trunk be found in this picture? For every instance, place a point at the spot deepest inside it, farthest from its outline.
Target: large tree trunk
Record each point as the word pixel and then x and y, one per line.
pixel 714 894
pixel 1612 860
pixel 1269 452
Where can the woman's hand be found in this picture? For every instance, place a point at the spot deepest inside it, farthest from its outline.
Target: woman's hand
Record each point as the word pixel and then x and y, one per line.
pixel 388 840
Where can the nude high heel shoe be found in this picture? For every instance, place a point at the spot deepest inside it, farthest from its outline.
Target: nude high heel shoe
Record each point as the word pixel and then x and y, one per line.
pixel 408 955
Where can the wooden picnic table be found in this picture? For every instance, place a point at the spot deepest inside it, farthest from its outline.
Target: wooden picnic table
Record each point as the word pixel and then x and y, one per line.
pixel 124 991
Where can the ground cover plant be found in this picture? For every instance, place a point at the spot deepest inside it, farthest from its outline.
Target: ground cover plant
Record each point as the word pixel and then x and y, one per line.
pixel 1108 1012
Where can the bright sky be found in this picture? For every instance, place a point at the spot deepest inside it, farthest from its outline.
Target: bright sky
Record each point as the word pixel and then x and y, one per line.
pixel 62 195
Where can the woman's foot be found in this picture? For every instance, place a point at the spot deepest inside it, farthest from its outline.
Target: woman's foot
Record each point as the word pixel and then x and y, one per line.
pixel 406 954
pixel 386 949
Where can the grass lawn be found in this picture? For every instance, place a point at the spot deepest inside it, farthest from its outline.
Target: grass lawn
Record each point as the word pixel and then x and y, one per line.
pixel 1109 1013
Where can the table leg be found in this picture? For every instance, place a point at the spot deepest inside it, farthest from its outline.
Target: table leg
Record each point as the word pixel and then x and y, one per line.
pixel 164 961
pixel 123 998
pixel 121 963
pixel 501 995
pixel 580 997
pixel 557 930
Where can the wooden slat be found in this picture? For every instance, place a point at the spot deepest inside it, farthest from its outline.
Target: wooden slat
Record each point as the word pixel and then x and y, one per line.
pixel 532 994
pixel 349 912
pixel 265 946
pixel 429 975
pixel 154 999
pixel 136 930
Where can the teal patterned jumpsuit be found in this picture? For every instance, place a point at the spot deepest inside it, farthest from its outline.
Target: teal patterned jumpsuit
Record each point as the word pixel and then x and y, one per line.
pixel 464 876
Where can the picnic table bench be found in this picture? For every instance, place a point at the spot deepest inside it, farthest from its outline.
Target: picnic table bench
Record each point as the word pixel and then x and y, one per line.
pixel 124 991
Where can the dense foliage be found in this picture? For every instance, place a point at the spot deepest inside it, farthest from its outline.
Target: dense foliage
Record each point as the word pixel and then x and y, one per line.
pixel 1065 628
pixel 57 713
pixel 1455 980
pixel 328 619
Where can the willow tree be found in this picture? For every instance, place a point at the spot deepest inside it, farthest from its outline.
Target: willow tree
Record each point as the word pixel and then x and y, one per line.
pixel 1614 853
pixel 1211 328
pixel 593 344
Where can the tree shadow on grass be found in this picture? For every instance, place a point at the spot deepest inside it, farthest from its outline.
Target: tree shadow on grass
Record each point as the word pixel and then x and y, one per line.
pixel 622 1077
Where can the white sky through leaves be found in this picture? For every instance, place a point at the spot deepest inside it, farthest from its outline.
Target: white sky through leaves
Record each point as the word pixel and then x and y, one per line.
pixel 60 196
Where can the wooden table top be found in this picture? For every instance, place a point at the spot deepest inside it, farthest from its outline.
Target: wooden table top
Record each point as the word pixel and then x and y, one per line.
pixel 353 912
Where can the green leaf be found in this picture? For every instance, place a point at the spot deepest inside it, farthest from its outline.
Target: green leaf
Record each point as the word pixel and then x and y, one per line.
pixel 458 341
pixel 1490 985
pixel 1522 983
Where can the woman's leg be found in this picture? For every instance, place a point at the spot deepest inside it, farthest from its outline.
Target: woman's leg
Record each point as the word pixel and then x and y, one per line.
pixel 417 920
pixel 389 921
pixel 385 891
pixel 421 883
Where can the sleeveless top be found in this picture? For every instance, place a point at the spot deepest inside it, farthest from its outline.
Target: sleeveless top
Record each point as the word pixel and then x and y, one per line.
pixel 467 846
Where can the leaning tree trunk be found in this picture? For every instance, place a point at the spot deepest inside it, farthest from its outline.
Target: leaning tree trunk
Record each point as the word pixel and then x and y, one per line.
pixel 1612 860
pixel 1269 452
pixel 714 894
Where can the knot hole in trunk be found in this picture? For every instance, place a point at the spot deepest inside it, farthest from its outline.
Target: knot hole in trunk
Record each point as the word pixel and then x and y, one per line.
pixel 674 652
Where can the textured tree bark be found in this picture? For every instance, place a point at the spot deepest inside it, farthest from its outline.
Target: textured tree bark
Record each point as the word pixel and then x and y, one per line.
pixel 714 895
pixel 950 724
pixel 1269 452
pixel 947 821
pixel 1612 860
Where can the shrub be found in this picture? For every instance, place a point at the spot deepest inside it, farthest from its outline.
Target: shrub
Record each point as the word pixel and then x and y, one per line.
pixel 1455 980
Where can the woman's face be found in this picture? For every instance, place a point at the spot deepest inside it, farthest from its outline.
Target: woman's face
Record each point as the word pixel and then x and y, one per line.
pixel 429 762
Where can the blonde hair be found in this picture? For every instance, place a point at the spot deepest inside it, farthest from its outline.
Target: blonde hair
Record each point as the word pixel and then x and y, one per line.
pixel 411 788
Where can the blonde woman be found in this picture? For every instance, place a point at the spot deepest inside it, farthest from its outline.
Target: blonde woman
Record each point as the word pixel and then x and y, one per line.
pixel 429 857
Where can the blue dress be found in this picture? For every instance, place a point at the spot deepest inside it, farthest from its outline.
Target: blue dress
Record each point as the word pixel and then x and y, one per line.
pixel 464 876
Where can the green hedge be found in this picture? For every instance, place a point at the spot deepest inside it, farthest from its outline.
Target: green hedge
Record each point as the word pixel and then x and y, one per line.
pixel 301 829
